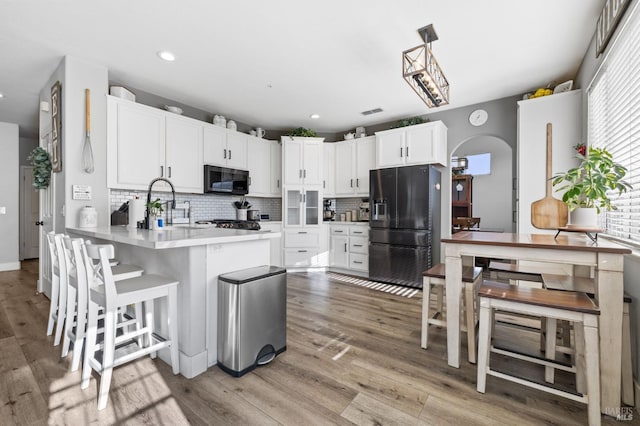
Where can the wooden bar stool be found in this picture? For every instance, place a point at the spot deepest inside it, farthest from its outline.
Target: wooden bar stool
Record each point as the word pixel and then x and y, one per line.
pixel 471 278
pixel 103 357
pixel 575 307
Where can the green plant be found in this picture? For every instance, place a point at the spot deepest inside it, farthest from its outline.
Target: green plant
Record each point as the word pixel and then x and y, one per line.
pixel 155 207
pixel 411 121
pixel 301 131
pixel 41 163
pixel 587 184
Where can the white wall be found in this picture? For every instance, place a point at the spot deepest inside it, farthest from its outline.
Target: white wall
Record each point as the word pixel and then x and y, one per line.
pixel 26 146
pixel 492 201
pixel 9 197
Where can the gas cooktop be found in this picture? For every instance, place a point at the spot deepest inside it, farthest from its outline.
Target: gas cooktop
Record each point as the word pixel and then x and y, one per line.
pixel 251 225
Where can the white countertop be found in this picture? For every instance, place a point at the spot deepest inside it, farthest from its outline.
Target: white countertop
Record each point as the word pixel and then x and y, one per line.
pixel 172 237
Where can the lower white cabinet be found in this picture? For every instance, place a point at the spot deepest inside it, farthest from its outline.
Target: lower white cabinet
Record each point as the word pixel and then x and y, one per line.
pixel 276 243
pixel 349 247
pixel 305 247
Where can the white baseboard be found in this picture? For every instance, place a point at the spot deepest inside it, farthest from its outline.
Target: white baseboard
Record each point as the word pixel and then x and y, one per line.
pixel 190 366
pixel 10 266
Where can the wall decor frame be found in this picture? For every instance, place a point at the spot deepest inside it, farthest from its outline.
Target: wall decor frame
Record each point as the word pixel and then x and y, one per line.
pixel 56 127
pixel 608 21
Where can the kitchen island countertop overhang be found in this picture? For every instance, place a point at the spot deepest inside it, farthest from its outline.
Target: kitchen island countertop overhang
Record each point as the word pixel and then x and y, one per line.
pixel 195 256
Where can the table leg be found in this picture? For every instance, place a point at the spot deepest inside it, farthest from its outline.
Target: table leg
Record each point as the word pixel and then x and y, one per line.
pixel 453 283
pixel 609 295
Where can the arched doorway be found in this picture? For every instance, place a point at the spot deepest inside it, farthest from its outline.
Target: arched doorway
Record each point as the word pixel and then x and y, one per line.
pixel 492 193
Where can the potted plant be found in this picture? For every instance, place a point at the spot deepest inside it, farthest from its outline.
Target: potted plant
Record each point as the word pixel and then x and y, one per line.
pixel 155 210
pixel 585 187
pixel 302 132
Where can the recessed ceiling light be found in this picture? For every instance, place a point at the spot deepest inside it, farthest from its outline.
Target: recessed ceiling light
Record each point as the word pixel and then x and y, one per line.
pixel 167 56
pixel 1 95
pixel 314 116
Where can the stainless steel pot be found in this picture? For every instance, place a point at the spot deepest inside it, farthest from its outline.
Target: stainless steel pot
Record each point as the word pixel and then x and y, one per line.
pixel 253 214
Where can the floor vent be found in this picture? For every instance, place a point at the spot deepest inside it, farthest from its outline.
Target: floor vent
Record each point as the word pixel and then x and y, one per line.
pixel 397 290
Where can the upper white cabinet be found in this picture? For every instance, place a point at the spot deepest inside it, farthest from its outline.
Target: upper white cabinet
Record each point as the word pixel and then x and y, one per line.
pixel 564 112
pixel 264 164
pixel 226 148
pixel 144 143
pixel 302 161
pixel 353 160
pixel 329 167
pixel 420 144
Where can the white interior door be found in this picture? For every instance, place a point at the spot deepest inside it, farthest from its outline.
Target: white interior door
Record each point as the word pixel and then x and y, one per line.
pixel 29 215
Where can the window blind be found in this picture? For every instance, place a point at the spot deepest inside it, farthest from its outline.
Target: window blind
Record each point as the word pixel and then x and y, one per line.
pixel 614 124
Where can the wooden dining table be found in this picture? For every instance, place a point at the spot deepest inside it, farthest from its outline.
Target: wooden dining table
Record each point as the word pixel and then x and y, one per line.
pixel 603 260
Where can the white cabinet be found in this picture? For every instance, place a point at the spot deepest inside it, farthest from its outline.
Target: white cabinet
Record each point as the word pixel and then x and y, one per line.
pixel 303 247
pixel 564 112
pixel 420 144
pixel 259 165
pixel 329 166
pixel 144 143
pixel 276 243
pixel 302 161
pixel 302 206
pixel 353 161
pixel 275 153
pixel 184 166
pixel 349 247
pixel 226 148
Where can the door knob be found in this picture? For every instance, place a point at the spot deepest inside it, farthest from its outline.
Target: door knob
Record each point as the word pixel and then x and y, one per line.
pixel 39 223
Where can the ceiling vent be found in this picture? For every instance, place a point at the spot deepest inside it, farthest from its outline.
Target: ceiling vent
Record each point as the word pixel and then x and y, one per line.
pixel 372 111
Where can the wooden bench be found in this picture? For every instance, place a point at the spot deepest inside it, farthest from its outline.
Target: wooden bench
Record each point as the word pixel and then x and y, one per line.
pixel 575 307
pixel 471 278
pixel 510 271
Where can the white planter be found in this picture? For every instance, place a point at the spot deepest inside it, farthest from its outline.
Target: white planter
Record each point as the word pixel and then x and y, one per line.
pixel 583 217
pixel 241 214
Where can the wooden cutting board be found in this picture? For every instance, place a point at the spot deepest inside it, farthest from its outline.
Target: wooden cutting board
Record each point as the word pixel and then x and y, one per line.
pixel 549 212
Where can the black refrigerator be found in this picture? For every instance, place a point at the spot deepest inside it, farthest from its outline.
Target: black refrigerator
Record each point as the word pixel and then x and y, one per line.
pixel 405 223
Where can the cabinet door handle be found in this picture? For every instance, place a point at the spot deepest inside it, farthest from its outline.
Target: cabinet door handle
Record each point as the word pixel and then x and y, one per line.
pixel 358 182
pixel 225 153
pixel 302 251
pixel 406 152
pixel 304 198
pixel 278 186
pixel 169 169
pixel 249 180
pixel 345 247
pixel 400 151
pixel 229 154
pixel 304 174
pixel 161 171
pixel 357 245
pixel 324 184
pixel 338 231
pixel 358 262
pixel 302 232
pixel 300 173
pixel 357 232
pixel 351 183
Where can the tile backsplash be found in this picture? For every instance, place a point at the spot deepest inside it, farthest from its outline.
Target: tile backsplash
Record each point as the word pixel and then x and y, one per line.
pixel 205 206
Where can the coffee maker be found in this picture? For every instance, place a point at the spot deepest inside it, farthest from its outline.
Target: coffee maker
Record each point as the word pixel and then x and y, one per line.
pixel 363 210
pixel 328 212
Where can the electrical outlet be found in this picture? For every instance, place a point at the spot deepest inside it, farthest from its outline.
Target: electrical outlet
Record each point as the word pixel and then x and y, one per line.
pixel 3 210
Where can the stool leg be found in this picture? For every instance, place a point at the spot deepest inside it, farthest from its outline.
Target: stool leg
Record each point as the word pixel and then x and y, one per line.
pixel 148 308
pixel 426 299
pixel 62 310
pixel 627 368
pixel 110 317
pixel 579 359
pixel 591 355
pixel 81 324
pixel 550 348
pixel 543 331
pixel 139 322
pixel 439 299
pixel 53 307
pixel 70 317
pixel 471 321
pixel 484 345
pixel 173 328
pixel 92 331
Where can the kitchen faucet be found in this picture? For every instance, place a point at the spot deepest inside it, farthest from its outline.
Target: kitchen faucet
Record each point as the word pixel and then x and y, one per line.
pixel 173 203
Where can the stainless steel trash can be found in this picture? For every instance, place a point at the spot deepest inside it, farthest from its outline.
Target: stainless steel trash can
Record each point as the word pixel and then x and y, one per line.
pixel 252 318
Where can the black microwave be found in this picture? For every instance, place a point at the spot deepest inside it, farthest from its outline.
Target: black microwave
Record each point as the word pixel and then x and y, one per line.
pixel 226 181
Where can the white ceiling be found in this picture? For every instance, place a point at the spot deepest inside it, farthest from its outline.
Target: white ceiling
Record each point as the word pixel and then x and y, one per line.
pixel 273 63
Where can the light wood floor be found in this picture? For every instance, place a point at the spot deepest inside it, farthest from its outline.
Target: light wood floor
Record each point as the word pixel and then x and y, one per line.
pixel 353 356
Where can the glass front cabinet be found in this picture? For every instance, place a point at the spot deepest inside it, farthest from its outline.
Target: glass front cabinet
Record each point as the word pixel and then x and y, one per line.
pixel 303 207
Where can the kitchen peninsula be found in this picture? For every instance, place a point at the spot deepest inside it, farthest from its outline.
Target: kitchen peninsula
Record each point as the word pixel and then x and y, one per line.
pixel 195 256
